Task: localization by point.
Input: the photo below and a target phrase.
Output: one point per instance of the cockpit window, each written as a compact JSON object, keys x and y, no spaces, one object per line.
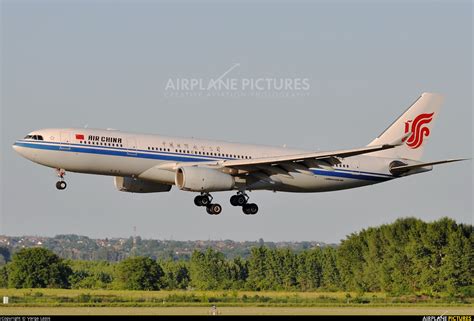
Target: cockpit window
{"x":34,"y":137}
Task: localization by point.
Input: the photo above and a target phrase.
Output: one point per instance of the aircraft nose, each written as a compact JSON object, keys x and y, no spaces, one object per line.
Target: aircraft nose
{"x":17,"y":148}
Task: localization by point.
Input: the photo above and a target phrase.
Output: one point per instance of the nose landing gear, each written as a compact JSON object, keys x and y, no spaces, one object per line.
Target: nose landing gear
{"x":61,"y":184}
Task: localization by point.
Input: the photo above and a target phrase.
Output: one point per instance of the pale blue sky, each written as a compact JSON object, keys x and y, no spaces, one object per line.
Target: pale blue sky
{"x":105,"y":64}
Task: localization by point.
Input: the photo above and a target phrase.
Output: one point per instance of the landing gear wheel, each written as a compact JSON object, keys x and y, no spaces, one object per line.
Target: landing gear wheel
{"x":209,"y":210}
{"x":202,"y":200}
{"x":205,"y":200}
{"x":240,"y":200}
{"x":197,"y":200}
{"x":214,"y":209}
{"x":253,"y":208}
{"x":250,"y":209}
{"x":61,"y":185}
{"x":246,"y":209}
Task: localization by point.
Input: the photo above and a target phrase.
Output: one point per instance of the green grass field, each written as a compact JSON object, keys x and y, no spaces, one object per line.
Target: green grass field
{"x":96,"y":302}
{"x":237,"y":310}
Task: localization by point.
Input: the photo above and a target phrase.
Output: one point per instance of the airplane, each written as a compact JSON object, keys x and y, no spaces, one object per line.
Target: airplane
{"x":144,"y":163}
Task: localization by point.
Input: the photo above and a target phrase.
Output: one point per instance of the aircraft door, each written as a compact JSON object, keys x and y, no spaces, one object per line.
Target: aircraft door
{"x":355,"y":166}
{"x":65,"y":140}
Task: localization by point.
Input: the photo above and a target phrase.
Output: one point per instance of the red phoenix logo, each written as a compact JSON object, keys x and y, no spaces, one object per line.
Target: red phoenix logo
{"x":418,"y":130}
{"x":80,"y":136}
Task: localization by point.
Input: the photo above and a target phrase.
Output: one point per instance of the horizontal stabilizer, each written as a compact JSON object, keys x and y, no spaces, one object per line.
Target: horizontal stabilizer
{"x":397,"y":170}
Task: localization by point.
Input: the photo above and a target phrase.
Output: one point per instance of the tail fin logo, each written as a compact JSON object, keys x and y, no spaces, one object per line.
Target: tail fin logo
{"x":418,"y":130}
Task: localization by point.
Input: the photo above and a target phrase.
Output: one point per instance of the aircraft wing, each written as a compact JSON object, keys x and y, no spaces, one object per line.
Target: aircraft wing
{"x":315,"y":159}
{"x":326,"y":156}
{"x":397,"y":170}
{"x":286,"y":163}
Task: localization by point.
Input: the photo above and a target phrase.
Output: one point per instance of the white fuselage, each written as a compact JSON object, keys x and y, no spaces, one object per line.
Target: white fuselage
{"x":117,"y":153}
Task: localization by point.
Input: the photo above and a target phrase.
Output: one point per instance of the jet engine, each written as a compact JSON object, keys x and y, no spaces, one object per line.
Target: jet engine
{"x":201,"y":179}
{"x":132,"y":185}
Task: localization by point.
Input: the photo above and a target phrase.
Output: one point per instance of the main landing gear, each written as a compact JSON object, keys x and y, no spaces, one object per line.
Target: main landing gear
{"x":61,"y":184}
{"x":241,"y":199}
{"x":205,"y":199}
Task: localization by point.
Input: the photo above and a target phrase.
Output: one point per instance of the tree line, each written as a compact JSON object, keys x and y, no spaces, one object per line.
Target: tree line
{"x":407,"y":256}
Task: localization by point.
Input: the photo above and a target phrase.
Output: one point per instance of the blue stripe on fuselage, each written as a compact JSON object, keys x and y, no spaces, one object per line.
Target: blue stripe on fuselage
{"x":124,"y":152}
{"x":353,"y":175}
{"x":114,"y":151}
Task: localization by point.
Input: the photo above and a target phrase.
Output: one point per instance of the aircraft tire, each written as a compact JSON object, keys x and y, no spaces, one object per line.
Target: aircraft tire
{"x":209,"y":210}
{"x":205,"y":200}
{"x":197,"y":200}
{"x":246,"y":209}
{"x":253,"y":208}
{"x":233,"y":200}
{"x":216,"y":209}
{"x":60,"y":185}
{"x":240,"y":200}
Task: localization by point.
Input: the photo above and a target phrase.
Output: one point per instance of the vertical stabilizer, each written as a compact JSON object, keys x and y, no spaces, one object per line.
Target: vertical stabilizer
{"x":418,"y":120}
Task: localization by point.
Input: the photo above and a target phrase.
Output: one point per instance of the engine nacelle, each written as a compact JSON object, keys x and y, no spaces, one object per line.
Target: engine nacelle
{"x":201,"y":179}
{"x":132,"y":185}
